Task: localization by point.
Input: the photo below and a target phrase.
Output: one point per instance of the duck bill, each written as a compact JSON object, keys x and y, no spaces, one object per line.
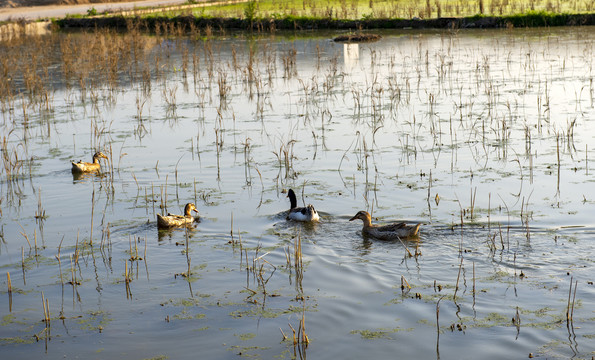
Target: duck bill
{"x":353,"y":218}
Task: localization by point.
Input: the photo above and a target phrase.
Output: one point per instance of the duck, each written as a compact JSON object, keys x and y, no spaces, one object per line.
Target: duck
{"x":177,"y":220}
{"x":386,"y":232}
{"x":306,"y":214}
{"x":85,"y":167}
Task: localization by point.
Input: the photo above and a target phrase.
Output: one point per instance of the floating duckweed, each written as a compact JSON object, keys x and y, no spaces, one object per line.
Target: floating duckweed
{"x":17,"y":340}
{"x":394,"y":301}
{"x":8,"y":319}
{"x":158,"y":357}
{"x":247,"y":351}
{"x":96,"y":320}
{"x":246,"y":336}
{"x":185,"y":315}
{"x":378,"y":334}
{"x":268,"y":313}
{"x":538,"y":312}
{"x":185,"y":302}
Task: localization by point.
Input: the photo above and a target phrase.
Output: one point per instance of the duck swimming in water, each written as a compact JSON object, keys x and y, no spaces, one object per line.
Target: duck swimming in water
{"x":177,"y":220}
{"x":85,"y":167}
{"x":386,"y":232}
{"x":307,"y":213}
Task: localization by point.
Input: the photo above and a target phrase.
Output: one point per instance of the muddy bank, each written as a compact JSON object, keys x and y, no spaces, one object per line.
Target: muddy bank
{"x":302,"y":23}
{"x":30,"y":3}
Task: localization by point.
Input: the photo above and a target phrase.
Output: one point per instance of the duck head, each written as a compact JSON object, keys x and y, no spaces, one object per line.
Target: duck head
{"x":189,"y":208}
{"x":98,"y":155}
{"x":362,"y":215}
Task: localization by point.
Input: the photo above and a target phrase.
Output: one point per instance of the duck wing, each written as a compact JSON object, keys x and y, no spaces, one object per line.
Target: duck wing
{"x":398,"y":227}
{"x":174,"y":216}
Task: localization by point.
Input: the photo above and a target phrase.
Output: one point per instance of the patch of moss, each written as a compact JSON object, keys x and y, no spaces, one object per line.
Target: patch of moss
{"x":538,"y":312}
{"x":265,"y":313}
{"x":246,"y":336}
{"x":8,"y":319}
{"x":158,"y":357}
{"x":424,"y":322}
{"x":95,"y":321}
{"x":378,"y":334}
{"x":247,"y":351}
{"x":185,"y":302}
{"x":496,"y":319}
{"x":546,"y":325}
{"x":185,"y":315}
{"x":17,"y":340}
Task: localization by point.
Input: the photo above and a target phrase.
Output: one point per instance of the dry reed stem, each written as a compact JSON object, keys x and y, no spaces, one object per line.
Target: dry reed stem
{"x":46,"y":310}
{"x":404,"y":284}
{"x":304,"y":338}
{"x":24,"y":233}
{"x":295,"y":340}
{"x":283,"y":334}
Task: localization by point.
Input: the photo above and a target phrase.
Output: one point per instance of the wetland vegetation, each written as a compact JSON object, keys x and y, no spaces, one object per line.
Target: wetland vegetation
{"x":273,"y":15}
{"x":482,"y":136}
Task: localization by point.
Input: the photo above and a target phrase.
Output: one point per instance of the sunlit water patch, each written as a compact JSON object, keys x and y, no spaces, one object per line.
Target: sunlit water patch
{"x":485,"y":137}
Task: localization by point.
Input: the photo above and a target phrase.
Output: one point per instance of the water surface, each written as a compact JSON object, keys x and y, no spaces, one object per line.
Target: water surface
{"x":483,"y":136}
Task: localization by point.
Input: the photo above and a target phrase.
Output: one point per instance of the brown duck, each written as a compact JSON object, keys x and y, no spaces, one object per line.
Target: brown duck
{"x":386,"y":232}
{"x":177,"y":220}
{"x":85,"y":167}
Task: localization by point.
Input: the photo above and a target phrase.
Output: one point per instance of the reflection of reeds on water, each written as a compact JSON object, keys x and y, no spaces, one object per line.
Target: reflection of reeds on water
{"x":127,"y":280}
{"x":298,"y":266}
{"x":571,"y":302}
{"x":9,"y":286}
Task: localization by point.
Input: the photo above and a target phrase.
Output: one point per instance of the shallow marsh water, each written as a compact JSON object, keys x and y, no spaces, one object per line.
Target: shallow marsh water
{"x":491,"y":129}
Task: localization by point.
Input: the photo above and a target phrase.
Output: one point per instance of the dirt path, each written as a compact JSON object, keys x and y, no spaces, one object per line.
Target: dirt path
{"x":45,"y":9}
